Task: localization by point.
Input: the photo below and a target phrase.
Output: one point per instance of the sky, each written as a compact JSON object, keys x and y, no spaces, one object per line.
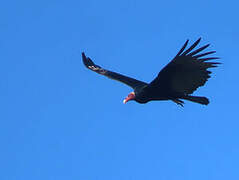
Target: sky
{"x":61,"y":121}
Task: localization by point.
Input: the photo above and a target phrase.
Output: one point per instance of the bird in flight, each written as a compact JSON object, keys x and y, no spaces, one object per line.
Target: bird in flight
{"x":176,"y":81}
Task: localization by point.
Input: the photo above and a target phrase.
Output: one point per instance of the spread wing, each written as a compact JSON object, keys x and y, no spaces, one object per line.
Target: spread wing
{"x":134,"y":83}
{"x":187,"y":71}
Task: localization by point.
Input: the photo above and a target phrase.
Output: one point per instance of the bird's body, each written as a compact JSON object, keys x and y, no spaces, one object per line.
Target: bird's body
{"x":176,"y":81}
{"x":146,"y":94}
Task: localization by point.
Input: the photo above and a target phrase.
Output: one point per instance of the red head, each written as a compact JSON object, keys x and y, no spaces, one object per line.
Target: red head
{"x":131,"y":96}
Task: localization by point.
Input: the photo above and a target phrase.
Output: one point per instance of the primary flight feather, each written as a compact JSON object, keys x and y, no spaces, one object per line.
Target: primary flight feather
{"x":176,"y":81}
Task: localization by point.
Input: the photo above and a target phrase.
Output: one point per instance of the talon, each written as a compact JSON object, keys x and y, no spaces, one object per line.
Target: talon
{"x":178,"y":102}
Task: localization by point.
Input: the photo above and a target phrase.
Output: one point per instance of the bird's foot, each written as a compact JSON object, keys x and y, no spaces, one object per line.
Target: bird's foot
{"x":178,"y":102}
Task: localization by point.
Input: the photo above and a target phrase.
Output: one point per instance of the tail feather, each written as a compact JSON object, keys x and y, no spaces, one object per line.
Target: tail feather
{"x":197,"y":99}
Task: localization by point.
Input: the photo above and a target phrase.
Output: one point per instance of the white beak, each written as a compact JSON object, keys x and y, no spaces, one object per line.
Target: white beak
{"x":124,"y":101}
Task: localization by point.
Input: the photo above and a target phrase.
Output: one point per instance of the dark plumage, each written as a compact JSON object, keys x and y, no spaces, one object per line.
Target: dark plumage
{"x":176,"y":81}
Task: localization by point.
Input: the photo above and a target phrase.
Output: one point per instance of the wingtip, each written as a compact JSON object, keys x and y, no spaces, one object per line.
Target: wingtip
{"x":207,"y":45}
{"x":83,"y":55}
{"x":199,"y":39}
{"x":191,"y":47}
{"x":84,"y":59}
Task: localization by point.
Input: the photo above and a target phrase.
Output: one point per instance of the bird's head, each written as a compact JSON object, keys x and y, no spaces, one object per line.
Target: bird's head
{"x":131,"y":96}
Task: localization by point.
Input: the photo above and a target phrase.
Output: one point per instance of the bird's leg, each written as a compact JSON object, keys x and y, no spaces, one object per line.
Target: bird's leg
{"x":178,"y":102}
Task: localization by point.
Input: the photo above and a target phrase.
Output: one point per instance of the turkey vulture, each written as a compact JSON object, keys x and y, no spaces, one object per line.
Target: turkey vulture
{"x":176,"y":81}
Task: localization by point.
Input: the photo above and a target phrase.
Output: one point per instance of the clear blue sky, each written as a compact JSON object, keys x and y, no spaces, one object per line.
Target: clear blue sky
{"x":61,"y":121}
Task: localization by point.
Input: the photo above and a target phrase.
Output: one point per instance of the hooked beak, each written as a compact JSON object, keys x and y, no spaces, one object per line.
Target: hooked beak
{"x":131,"y":96}
{"x":125,"y":101}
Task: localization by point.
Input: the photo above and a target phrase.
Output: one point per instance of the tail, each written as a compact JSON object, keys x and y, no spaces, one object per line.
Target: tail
{"x":197,"y":99}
